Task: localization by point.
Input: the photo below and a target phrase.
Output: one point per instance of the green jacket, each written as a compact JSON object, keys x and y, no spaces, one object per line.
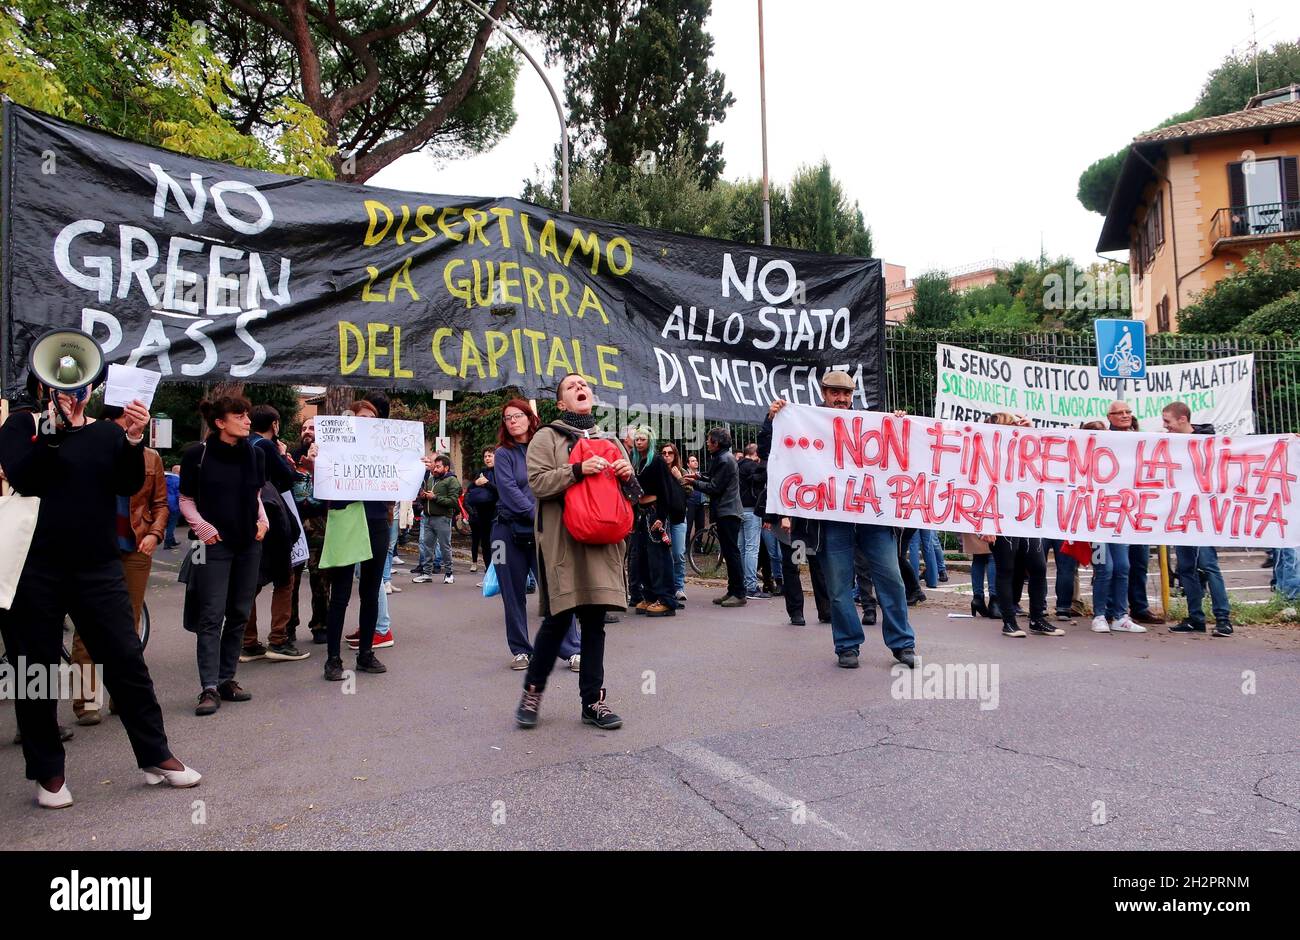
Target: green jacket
{"x":446,"y":495}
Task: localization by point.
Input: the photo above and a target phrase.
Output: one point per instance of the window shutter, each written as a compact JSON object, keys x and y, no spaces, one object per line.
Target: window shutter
{"x":1236,"y":185}
{"x":1290,"y":182}
{"x":1160,"y":218}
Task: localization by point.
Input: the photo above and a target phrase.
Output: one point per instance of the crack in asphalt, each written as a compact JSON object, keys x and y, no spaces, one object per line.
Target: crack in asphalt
{"x":1263,"y":796}
{"x":713,"y":805}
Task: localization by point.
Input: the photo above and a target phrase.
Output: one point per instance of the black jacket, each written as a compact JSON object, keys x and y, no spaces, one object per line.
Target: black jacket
{"x":808,"y":531}
{"x":722,"y":485}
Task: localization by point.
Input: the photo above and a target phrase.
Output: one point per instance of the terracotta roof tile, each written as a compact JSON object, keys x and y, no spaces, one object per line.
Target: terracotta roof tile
{"x":1273,"y":115}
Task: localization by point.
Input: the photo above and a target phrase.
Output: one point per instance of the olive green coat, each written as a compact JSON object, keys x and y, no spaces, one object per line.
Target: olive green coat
{"x":571,"y":573}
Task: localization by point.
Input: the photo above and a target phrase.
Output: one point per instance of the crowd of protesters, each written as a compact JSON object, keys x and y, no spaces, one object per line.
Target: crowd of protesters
{"x":247,"y":500}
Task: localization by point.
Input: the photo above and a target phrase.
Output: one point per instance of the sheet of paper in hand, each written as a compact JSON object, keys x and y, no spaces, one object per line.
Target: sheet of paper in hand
{"x":1091,"y":486}
{"x":368,"y":458}
{"x":128,"y":383}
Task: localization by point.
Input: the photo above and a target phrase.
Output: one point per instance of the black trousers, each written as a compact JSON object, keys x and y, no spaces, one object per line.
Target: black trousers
{"x":821,"y":597}
{"x":480,"y":538}
{"x":1019,"y":559}
{"x":372,"y":574}
{"x":791,"y":585}
{"x":911,"y":583}
{"x":729,"y":535}
{"x":546,"y":646}
{"x":95,"y":596}
{"x":653,"y":574}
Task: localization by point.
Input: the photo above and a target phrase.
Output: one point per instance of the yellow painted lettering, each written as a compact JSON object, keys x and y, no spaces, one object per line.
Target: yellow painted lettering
{"x":533,"y":288}
{"x":459,"y":288}
{"x":469,"y":355}
{"x":507,"y":282}
{"x":607,"y":369}
{"x":620,"y":243}
{"x":373,"y":208}
{"x":589,"y":299}
{"x":349,"y":333}
{"x":559,"y":357}
{"x":559,"y":288}
{"x":590,"y":247}
{"x":548,"y":240}
{"x":398,"y":371}
{"x":440,"y":334}
{"x":374,"y":350}
{"x":402,"y":280}
{"x":476,"y":220}
{"x":503,"y":230}
{"x":422,"y":216}
{"x":447,"y":229}
{"x":366,"y":292}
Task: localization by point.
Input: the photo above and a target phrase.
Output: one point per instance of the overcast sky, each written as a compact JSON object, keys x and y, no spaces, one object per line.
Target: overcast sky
{"x":960,"y":128}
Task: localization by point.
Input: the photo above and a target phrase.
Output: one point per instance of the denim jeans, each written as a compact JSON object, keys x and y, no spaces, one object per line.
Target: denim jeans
{"x":1066,"y":566}
{"x":751,"y":527}
{"x":430,"y":559}
{"x":1139,"y":556}
{"x":877,"y":544}
{"x":679,"y":556}
{"x":1110,"y":581}
{"x":1190,"y":558}
{"x":1286,"y":572}
{"x":170,"y":538}
{"x":773,"y":546}
{"x":392,"y":546}
{"x":983,"y":568}
{"x":435,"y":538}
{"x":925,"y":543}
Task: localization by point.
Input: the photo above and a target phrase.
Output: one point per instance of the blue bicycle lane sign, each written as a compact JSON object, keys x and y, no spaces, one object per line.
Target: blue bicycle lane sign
{"x":1121,"y":349}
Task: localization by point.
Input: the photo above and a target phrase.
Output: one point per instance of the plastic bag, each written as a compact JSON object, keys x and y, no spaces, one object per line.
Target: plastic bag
{"x":491,"y":587}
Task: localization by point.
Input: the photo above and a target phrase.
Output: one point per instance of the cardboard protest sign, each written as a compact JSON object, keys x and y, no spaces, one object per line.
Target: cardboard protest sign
{"x":1098,"y":486}
{"x":367,"y":458}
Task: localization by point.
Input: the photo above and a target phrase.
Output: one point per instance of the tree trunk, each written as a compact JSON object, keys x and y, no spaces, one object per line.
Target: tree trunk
{"x":337,"y":399}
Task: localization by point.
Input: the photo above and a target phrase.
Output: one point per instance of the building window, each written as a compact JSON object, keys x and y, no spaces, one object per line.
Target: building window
{"x":1162,"y":315}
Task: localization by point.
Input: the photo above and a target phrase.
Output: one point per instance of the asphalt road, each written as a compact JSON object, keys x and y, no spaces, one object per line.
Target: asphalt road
{"x":740,"y":732}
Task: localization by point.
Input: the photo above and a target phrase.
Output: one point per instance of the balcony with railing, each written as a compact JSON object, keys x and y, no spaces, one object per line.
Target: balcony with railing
{"x":1270,"y":221}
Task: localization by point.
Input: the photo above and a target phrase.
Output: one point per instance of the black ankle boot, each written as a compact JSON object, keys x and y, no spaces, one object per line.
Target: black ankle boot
{"x":978,"y":608}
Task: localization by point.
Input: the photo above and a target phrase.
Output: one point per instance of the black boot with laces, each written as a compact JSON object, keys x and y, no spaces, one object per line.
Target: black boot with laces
{"x":600,"y":714}
{"x":527,"y":712}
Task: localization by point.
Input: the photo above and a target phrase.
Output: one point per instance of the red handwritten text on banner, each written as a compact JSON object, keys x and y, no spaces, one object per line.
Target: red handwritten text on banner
{"x":1100,"y":486}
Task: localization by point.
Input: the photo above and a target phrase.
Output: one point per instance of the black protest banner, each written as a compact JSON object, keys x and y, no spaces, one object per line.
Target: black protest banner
{"x":209,"y":272}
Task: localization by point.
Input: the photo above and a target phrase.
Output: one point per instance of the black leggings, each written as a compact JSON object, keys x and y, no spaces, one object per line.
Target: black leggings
{"x":372,"y":573}
{"x":1018,"y":559}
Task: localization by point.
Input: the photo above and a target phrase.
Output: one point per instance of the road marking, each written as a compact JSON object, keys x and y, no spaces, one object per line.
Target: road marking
{"x":730,"y":772}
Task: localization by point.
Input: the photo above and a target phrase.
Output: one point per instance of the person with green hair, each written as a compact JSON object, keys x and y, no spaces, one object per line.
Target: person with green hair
{"x":652,"y":553}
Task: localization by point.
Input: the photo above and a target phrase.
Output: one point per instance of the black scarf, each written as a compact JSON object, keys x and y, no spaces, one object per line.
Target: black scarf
{"x":581,"y":422}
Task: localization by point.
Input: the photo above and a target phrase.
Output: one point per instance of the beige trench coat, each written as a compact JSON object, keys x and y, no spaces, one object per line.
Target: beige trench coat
{"x":571,"y":573}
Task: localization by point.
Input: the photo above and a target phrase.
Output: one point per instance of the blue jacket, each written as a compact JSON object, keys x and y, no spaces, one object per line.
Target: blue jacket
{"x":515,"y":501}
{"x":173,"y":492}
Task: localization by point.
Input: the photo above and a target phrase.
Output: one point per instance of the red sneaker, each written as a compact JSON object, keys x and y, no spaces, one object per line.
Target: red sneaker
{"x":381,"y":641}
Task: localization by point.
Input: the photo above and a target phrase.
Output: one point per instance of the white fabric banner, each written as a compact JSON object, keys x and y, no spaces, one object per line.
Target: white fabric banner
{"x":972,"y":385}
{"x":301,"y":551}
{"x":1096,"y":486}
{"x":368,"y":458}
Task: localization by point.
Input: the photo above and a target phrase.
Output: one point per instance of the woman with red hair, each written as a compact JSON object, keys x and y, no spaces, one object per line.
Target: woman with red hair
{"x":514,"y":550}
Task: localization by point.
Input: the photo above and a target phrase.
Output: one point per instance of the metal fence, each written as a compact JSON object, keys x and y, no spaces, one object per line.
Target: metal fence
{"x":910,"y":364}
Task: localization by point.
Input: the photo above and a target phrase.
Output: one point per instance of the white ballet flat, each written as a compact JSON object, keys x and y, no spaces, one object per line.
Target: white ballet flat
{"x":48,"y":800}
{"x":180,"y":779}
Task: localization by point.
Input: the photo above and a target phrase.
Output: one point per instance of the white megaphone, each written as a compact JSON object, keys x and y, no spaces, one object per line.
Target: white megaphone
{"x":66,"y":361}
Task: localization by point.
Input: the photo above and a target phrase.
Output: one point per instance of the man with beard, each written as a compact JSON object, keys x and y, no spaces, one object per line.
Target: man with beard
{"x":834,"y":544}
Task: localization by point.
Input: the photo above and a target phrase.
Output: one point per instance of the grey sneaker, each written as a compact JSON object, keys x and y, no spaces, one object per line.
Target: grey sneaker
{"x":530,"y":704}
{"x":285,"y":651}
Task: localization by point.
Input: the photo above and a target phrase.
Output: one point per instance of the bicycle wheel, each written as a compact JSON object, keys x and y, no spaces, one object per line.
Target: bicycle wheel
{"x":706,"y":552}
{"x":1110,"y":361}
{"x":144,"y":625}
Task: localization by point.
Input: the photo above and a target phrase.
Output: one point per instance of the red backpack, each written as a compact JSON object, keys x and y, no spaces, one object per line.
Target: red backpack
{"x":596,"y":511}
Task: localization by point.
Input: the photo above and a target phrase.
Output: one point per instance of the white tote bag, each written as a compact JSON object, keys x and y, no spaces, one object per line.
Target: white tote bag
{"x":17,"y":524}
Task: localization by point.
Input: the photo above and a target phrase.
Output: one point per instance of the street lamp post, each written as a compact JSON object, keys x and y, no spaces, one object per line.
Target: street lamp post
{"x":762,"y":105}
{"x":559,"y":109}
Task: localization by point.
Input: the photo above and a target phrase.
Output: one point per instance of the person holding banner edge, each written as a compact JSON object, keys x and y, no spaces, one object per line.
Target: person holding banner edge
{"x":834,"y":544}
{"x":1177,"y":418}
{"x":1120,"y":418}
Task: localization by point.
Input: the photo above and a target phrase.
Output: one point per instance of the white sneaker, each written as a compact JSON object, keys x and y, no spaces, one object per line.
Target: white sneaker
{"x":449,"y":579}
{"x":473,"y":569}
{"x":1099,"y":625}
{"x":394,"y":589}
{"x":681,"y":595}
{"x":575,"y":662}
{"x":1125,"y":625}
{"x":388,"y":587}
{"x":520,"y":661}
{"x":181,"y":779}
{"x":58,"y":800}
